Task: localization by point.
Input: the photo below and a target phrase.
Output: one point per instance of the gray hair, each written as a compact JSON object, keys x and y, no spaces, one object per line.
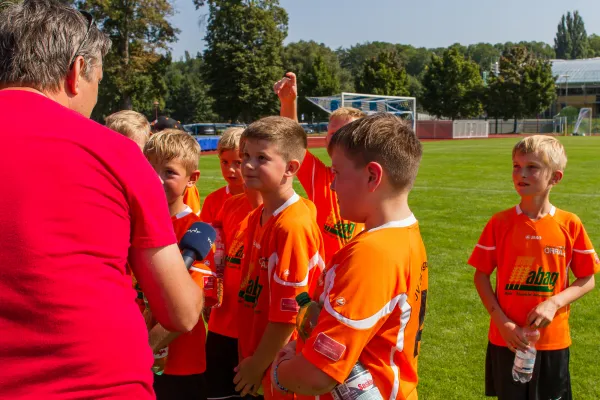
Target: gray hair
{"x":38,"y":40}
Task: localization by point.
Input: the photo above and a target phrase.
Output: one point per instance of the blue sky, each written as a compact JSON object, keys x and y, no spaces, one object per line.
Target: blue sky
{"x":427,"y":23}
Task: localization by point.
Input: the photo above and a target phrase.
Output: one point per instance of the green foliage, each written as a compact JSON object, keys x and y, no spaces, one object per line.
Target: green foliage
{"x":384,"y":75}
{"x":319,"y":73}
{"x":594,"y":45}
{"x":524,"y":87}
{"x":243,"y":56}
{"x":135,"y":67}
{"x":187,"y":99}
{"x":571,"y":41}
{"x":452,"y":86}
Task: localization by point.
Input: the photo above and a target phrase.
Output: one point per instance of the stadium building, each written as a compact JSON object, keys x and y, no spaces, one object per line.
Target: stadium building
{"x":577,"y":84}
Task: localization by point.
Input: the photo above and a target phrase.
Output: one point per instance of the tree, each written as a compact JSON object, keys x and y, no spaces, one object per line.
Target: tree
{"x":187,"y":99}
{"x":571,"y":40}
{"x":354,"y":58}
{"x":319,"y":74}
{"x":384,"y":75}
{"x":243,"y":56}
{"x":594,"y":43}
{"x":135,"y":66}
{"x":525,"y":86}
{"x":452,"y":86}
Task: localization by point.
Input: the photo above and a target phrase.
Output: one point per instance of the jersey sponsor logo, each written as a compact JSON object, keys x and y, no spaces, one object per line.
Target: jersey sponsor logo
{"x":526,"y":278}
{"x":533,"y":237}
{"x":256,"y":244}
{"x":328,"y":347}
{"x":236,"y":259}
{"x":263,"y":262}
{"x":252,"y":291}
{"x":289,"y":305}
{"x":558,"y":250}
{"x":342,"y":230}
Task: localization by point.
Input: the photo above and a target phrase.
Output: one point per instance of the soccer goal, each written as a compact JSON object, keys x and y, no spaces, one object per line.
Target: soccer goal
{"x":466,"y":129}
{"x":583,"y":126}
{"x":405,"y":107}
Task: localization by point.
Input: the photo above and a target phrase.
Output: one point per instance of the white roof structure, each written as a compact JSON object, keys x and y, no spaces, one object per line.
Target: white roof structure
{"x":584,"y":71}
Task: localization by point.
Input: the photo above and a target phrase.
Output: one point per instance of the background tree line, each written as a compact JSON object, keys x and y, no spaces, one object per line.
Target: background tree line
{"x":245,"y":54}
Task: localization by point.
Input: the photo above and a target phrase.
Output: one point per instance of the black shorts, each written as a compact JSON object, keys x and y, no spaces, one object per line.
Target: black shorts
{"x":180,"y":387}
{"x":550,"y":380}
{"x":221,"y":359}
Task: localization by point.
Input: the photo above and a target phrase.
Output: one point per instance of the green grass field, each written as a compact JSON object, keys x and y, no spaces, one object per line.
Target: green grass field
{"x":460,"y":185}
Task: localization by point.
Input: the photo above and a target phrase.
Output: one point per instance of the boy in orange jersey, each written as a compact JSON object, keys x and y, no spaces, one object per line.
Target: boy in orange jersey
{"x":130,"y":124}
{"x":373,"y":292}
{"x":316,"y":177}
{"x":174,"y":155}
{"x":283,"y":249}
{"x":230,"y":161}
{"x":532,"y":246}
{"x":222,"y":338}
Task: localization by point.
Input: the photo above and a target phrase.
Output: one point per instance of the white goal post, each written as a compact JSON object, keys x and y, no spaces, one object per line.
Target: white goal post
{"x":583,"y":126}
{"x":405,"y":107}
{"x":466,"y":129}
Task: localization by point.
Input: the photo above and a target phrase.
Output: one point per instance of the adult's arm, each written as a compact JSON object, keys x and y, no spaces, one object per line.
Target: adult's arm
{"x":175,"y":299}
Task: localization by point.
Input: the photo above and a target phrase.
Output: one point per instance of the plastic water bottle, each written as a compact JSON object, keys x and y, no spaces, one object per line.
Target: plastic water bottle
{"x":360,"y":384}
{"x":525,"y":360}
{"x":160,"y":360}
{"x":219,"y":265}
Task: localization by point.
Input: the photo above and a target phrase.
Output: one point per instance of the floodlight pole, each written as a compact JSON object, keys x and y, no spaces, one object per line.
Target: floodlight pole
{"x":566,"y":76}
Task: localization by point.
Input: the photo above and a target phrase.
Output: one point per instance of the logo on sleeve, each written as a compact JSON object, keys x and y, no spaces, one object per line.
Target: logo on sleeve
{"x":289,"y":305}
{"x":328,"y":347}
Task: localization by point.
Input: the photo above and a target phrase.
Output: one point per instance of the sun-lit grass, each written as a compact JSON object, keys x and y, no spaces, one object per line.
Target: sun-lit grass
{"x":460,"y":185}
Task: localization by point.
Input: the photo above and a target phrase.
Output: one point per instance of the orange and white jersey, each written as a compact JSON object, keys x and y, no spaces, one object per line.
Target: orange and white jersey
{"x":282,"y":259}
{"x":213,"y":203}
{"x":316,"y":179}
{"x":233,"y":220}
{"x":533,"y":259}
{"x":374,"y":295}
{"x":187,"y":352}
{"x":191,"y":198}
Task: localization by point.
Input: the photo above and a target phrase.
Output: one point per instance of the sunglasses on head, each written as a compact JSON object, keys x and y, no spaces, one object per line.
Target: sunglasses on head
{"x":90,"y":20}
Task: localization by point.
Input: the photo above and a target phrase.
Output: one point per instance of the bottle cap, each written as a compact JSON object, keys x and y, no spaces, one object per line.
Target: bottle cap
{"x":303,"y":299}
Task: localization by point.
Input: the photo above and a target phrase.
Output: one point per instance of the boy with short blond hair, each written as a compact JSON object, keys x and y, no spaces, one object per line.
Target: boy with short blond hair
{"x":174,"y":155}
{"x":374,"y":291}
{"x":532,"y":247}
{"x":316,"y":177}
{"x":131,"y":124}
{"x":230,"y":162}
{"x":283,"y":249}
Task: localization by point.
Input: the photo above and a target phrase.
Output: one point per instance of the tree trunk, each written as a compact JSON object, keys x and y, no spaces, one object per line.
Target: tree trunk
{"x":515,"y":127}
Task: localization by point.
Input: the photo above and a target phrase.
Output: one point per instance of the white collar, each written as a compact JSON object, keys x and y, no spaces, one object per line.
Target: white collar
{"x":185,"y":212}
{"x":406,"y":222}
{"x":551,"y":212}
{"x":288,"y":203}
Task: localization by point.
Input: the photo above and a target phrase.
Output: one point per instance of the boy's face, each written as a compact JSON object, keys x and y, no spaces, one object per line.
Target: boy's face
{"x":231,"y":167}
{"x":350,"y":183}
{"x":175,"y":179}
{"x":335,"y":124}
{"x":263,"y":167}
{"x":531,"y":176}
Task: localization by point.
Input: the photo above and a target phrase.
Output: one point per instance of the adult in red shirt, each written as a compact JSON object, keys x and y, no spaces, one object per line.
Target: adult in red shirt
{"x":78,"y":201}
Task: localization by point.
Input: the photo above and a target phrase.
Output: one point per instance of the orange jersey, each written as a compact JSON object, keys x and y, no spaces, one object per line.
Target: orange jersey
{"x":213,"y":203}
{"x":533,"y":259}
{"x":282,"y":257}
{"x":233,"y":220}
{"x":316,"y":179}
{"x":186,"y":353}
{"x":373,"y":294}
{"x":191,"y":197}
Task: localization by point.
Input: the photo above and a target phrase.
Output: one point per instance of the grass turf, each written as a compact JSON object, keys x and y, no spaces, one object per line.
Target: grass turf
{"x":460,"y":185}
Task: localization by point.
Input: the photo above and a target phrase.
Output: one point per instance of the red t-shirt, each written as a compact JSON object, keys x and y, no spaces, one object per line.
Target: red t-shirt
{"x":76,"y":196}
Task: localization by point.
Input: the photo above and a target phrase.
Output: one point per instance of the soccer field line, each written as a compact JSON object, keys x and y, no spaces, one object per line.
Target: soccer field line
{"x":480,"y":190}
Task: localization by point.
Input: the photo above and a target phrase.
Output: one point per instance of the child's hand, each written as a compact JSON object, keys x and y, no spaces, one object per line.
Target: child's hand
{"x":286,"y":88}
{"x":542,"y":315}
{"x":514,"y":336}
{"x":248,"y":378}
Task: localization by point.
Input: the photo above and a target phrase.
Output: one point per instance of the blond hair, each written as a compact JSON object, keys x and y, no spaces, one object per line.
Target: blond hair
{"x":230,"y":139}
{"x":385,"y":139}
{"x":549,"y":148}
{"x":347,"y":113}
{"x":287,"y":134}
{"x":173,"y":144}
{"x":131,"y":124}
